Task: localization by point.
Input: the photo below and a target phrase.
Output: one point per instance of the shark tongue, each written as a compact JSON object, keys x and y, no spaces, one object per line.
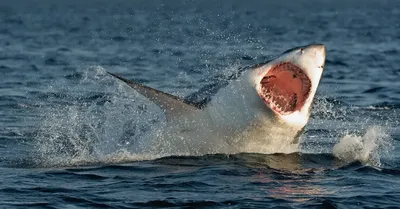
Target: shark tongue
{"x":285,"y":88}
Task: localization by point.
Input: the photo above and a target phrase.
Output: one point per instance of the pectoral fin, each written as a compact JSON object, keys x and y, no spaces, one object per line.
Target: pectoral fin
{"x":173,"y":106}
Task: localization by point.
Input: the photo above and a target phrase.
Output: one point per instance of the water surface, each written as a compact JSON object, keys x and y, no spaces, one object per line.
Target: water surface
{"x":68,"y":130}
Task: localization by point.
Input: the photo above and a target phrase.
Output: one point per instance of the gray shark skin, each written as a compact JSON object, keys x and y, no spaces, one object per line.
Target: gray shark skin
{"x":263,"y":109}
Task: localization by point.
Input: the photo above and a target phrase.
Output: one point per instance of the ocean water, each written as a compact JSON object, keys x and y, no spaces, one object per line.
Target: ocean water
{"x":68,"y":131}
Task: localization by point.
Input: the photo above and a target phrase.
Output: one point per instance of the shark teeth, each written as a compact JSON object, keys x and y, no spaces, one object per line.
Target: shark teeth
{"x":270,"y":100}
{"x":285,"y":88}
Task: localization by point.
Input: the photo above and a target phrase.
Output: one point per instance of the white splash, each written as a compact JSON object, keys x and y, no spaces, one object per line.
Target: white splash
{"x":94,"y":121}
{"x":367,"y":149}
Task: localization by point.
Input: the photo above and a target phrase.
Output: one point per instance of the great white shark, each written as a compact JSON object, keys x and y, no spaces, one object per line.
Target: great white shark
{"x":263,"y":108}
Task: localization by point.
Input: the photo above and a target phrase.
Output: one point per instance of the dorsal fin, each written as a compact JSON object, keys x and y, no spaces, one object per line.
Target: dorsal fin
{"x":173,"y":106}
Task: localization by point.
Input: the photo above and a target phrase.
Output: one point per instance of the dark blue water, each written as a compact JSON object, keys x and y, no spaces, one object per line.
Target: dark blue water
{"x":68,"y":130}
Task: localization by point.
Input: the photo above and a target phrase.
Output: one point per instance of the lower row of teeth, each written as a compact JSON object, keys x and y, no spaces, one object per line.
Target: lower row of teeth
{"x":270,"y":99}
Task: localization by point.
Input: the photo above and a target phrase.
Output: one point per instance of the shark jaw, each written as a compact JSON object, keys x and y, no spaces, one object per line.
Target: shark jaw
{"x":285,"y":88}
{"x":288,"y":84}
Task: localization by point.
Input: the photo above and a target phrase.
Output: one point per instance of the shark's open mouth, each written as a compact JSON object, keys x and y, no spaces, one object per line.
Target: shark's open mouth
{"x":285,"y":88}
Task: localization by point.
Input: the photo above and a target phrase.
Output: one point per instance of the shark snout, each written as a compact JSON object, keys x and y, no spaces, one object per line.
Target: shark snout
{"x":318,"y":53}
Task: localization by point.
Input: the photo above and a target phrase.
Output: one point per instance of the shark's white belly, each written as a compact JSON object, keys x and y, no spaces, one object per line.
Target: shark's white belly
{"x":236,"y":120}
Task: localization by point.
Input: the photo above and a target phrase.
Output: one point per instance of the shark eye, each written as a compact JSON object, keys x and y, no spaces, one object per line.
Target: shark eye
{"x":301,"y":50}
